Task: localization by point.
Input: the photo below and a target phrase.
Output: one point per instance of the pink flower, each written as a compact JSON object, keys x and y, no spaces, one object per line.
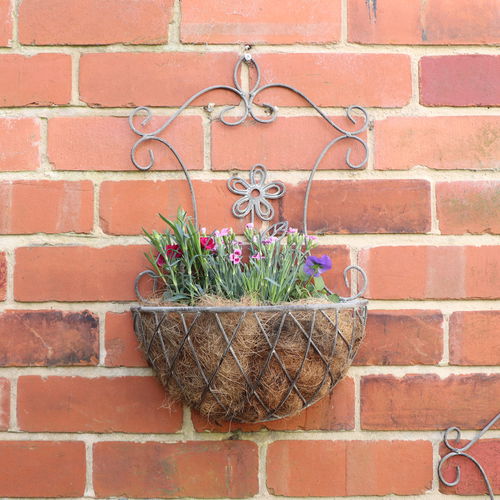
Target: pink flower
{"x":223,"y":232}
{"x":235,"y":258}
{"x":257,"y":256}
{"x":203,"y":230}
{"x":269,"y":240}
{"x":237,"y":252}
{"x":292,"y":230}
{"x":311,"y":237}
{"x":249,"y":225}
{"x":208,"y":243}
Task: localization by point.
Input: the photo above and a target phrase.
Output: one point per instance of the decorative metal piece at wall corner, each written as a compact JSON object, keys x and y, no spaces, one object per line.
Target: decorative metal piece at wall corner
{"x":256,"y":193}
{"x":461,"y":452}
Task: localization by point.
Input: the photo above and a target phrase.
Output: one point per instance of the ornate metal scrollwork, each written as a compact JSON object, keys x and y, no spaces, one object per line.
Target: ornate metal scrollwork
{"x":255,"y":193}
{"x":461,"y":452}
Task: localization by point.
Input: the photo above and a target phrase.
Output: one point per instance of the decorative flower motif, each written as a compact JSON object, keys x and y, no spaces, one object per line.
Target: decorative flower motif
{"x":254,"y":194}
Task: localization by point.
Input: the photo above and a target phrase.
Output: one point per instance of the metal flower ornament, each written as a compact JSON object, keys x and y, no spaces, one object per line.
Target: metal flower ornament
{"x":255,"y":194}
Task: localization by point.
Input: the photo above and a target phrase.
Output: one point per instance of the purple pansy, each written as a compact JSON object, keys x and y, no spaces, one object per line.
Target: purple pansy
{"x":315,"y":266}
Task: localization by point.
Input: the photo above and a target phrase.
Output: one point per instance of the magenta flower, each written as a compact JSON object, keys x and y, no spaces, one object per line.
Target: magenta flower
{"x":292,"y":230}
{"x":208,"y":243}
{"x":315,"y":266}
{"x":268,"y":241}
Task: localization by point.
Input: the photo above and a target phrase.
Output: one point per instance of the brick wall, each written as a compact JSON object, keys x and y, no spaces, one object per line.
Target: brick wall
{"x":80,"y":413}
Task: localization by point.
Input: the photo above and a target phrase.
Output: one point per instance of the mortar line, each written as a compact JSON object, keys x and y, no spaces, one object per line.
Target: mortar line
{"x":174,"y":27}
{"x":44,"y":166}
{"x":102,"y":338}
{"x":433,"y":203}
{"x":344,"y":23}
{"x":89,"y":462}
{"x":10,"y":257}
{"x":75,"y":80}
{"x":446,"y":340}
{"x":13,"y":424}
{"x":357,"y":402}
{"x":15,"y":45}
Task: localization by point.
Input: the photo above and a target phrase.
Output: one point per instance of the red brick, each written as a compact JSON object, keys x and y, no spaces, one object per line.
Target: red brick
{"x":428,"y":402}
{"x":486,"y":452}
{"x":52,"y":22}
{"x":377,"y":206}
{"x":474,"y":338}
{"x":122,"y":348}
{"x":155,"y":79}
{"x":77,"y":404}
{"x":468,"y":207}
{"x":4,"y":404}
{"x":333,"y":413}
{"x":46,"y":207}
{"x":5,"y":23}
{"x":3,"y":276}
{"x":432,"y":272}
{"x":19,"y":139}
{"x":460,"y":80}
{"x":345,"y":468}
{"x":77,"y":273}
{"x":48,"y":338}
{"x":129,"y":206}
{"x":334,"y":79}
{"x":208,"y":469}
{"x":41,"y":79}
{"x":42,"y":469}
{"x":230,"y":21}
{"x":409,"y":337}
{"x":444,"y":142}
{"x":105,"y":143}
{"x":434,"y":22}
{"x":260,"y":144}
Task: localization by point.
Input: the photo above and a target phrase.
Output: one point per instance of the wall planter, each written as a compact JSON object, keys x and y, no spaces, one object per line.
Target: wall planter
{"x":243,"y":361}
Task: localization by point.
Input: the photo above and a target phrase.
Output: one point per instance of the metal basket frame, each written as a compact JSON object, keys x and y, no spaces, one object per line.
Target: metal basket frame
{"x":161,"y":314}
{"x":253,"y":206}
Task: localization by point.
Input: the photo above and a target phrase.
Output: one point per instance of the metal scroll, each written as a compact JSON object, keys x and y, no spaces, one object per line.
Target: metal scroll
{"x":256,"y":193}
{"x":461,"y":452}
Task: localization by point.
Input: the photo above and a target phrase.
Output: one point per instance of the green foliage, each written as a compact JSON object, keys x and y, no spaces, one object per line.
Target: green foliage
{"x":191,"y":264}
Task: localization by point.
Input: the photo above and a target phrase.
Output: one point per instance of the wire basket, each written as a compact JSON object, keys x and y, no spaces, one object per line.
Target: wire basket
{"x":251,"y":363}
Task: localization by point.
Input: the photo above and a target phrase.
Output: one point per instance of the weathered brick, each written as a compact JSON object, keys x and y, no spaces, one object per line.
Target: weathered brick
{"x":486,"y":452}
{"x":105,"y":143}
{"x":432,"y":272}
{"x":129,"y":206}
{"x":301,"y":140}
{"x":468,"y":207}
{"x":327,"y":79}
{"x":345,"y":468}
{"x":46,"y":207}
{"x":104,"y":404}
{"x":333,"y":413}
{"x":5,"y":23}
{"x":474,"y":338}
{"x":3,"y":276}
{"x":48,"y":338}
{"x":155,"y":79}
{"x":433,"y":22}
{"x":122,"y":347}
{"x":419,"y":402}
{"x":4,"y":403}
{"x":236,"y":21}
{"x":93,"y":22}
{"x":444,"y":142}
{"x":41,"y":79}
{"x":19,"y":139}
{"x":460,"y":80}
{"x":42,"y":469}
{"x":208,"y":469}
{"x":77,"y":273}
{"x":377,"y":206}
{"x":408,"y":337}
